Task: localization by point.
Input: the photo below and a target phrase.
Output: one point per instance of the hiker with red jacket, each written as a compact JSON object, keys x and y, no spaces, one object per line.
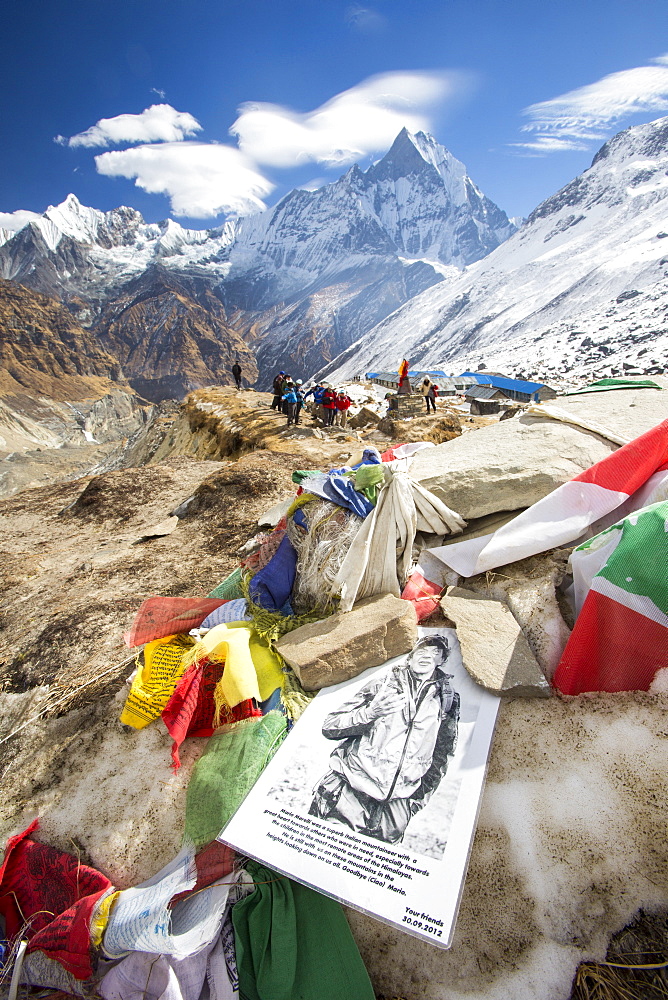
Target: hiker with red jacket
{"x":343,"y":402}
{"x":329,"y":406}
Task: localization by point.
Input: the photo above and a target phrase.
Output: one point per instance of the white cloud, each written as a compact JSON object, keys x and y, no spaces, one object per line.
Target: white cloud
{"x":588,"y":114}
{"x":16,"y":220}
{"x":159,"y":123}
{"x":201,"y":179}
{"x":359,"y":121}
{"x":314,"y":184}
{"x":365,"y":19}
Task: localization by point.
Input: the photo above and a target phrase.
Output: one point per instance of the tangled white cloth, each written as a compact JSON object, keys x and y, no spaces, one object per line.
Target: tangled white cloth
{"x":379,"y":558}
{"x":320,"y":551}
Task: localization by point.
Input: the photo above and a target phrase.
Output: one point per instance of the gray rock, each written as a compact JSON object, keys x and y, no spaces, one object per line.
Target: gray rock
{"x":506,"y":466}
{"x":494,"y":649}
{"x":511,"y":464}
{"x":271,"y":517}
{"x":165,"y":527}
{"x":345,"y":644}
{"x":364,"y":417}
{"x":529,"y":588}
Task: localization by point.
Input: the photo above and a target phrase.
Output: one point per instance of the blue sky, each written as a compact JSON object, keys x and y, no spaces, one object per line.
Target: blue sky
{"x":523,"y":92}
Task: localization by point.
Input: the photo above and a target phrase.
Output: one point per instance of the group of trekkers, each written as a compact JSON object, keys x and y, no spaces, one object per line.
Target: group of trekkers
{"x":330,"y":406}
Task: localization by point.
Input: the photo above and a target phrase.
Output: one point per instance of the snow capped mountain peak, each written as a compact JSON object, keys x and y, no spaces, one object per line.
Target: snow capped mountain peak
{"x":336,"y":259}
{"x":581,"y":287}
{"x":74,"y":219}
{"x":638,"y":140}
{"x":423,"y":196}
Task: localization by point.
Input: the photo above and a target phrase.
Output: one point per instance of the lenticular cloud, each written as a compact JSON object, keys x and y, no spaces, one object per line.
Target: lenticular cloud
{"x":159,"y":123}
{"x":587,"y":114}
{"x":201,"y":179}
{"x":362,"y":120}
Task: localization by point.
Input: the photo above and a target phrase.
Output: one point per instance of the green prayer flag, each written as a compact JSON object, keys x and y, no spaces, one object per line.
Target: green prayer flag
{"x":230,"y":588}
{"x":233,"y":760}
{"x":293,"y":943}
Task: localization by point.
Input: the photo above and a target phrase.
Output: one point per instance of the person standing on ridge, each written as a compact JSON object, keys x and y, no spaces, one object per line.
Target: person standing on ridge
{"x":287,"y":385}
{"x":301,"y":396}
{"x":278,"y":391}
{"x":343,"y":402}
{"x":236,"y":371}
{"x":329,"y":406}
{"x":318,"y":408}
{"x":290,"y":402}
{"x":429,"y":393}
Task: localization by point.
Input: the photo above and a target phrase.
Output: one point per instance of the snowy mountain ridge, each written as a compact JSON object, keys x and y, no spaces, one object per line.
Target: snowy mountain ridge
{"x":302,"y":279}
{"x":379,"y":203}
{"x":580,"y":287}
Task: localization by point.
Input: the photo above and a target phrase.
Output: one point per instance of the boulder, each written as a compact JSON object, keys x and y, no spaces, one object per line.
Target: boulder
{"x":271,"y":517}
{"x":494,"y":649}
{"x":510,"y":465}
{"x":506,"y":466}
{"x":345,"y":644}
{"x":529,"y":588}
{"x":364,"y":417}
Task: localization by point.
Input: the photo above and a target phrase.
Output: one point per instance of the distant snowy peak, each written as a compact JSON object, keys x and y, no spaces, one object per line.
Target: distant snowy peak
{"x":417,"y":202}
{"x":411,"y":153}
{"x":583,"y":280}
{"x":307,"y":276}
{"x":631,"y":164}
{"x":121,"y":227}
{"x":430,"y":207}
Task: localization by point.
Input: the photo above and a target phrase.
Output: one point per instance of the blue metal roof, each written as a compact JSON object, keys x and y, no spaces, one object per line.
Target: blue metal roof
{"x":518,"y":385}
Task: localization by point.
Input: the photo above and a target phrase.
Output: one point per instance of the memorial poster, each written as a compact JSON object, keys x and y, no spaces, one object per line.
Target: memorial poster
{"x":373,"y":797}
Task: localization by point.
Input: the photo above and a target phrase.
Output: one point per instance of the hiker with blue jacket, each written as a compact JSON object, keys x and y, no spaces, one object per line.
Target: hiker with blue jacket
{"x":291,"y":400}
{"x":318,"y":391}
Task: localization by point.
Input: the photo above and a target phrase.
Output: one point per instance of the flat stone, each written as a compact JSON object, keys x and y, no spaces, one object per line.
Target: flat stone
{"x":529,"y":588}
{"x":494,"y":649}
{"x":271,"y":517}
{"x":165,"y":527}
{"x":342,"y":646}
{"x":514,"y":463}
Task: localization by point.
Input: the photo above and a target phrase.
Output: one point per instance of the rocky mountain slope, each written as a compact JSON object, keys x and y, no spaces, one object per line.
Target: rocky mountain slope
{"x":302,"y":280}
{"x":580,"y":287}
{"x":172,"y":334}
{"x":45,"y":352}
{"x":64,"y":403}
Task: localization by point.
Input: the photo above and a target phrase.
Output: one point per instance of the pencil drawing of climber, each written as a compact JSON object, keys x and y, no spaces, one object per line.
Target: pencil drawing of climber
{"x":396,"y":737}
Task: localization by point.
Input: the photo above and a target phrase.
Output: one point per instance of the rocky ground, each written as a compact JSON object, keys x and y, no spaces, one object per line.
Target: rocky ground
{"x":570,"y":843}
